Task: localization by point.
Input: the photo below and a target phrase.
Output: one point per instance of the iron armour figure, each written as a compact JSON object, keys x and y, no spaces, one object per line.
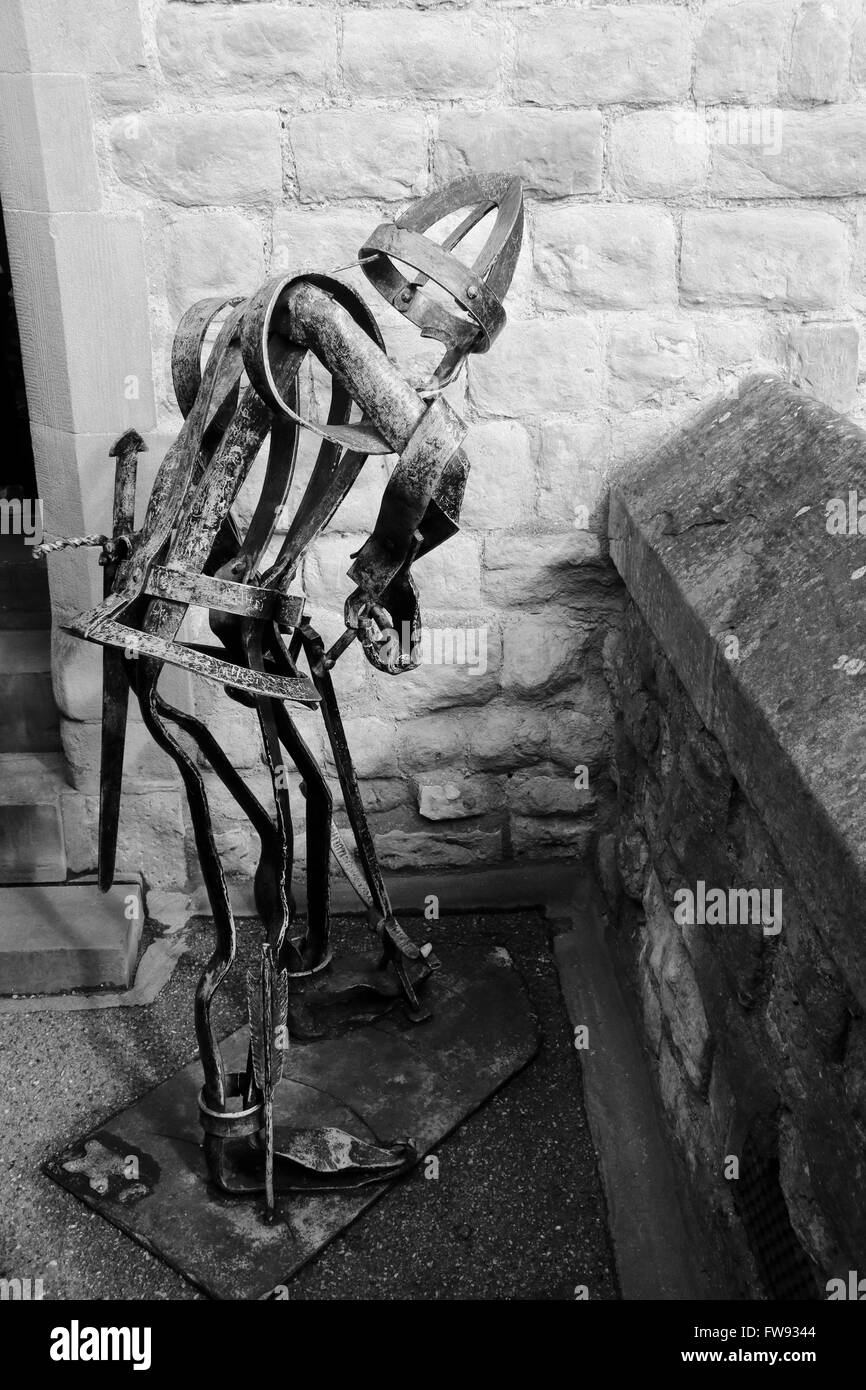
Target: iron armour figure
{"x":191,"y":551}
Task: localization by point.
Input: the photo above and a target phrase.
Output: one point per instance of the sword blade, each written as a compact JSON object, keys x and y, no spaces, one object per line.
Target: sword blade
{"x":115,"y":704}
{"x":115,"y":686}
{"x":352,"y":870}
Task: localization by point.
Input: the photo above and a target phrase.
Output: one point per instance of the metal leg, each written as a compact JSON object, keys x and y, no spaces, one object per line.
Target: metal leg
{"x":396,"y":945}
{"x":284,"y":951}
{"x":220,"y":963}
{"x":316,"y":945}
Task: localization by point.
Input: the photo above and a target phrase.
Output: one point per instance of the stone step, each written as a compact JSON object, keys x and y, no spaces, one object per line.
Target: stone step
{"x":59,"y":937}
{"x":31,"y":830}
{"x":28,"y":714}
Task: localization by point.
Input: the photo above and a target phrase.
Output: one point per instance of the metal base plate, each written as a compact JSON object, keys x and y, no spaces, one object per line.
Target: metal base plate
{"x":384,"y":1080}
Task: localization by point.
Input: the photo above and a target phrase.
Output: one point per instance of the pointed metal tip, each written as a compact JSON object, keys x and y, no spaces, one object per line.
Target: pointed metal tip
{"x":130,"y":439}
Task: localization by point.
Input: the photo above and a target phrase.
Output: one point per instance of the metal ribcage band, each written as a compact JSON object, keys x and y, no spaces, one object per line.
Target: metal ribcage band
{"x":245,"y":600}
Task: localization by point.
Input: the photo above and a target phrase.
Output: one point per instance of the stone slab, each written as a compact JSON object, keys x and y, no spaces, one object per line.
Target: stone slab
{"x":723,"y":532}
{"x":510,"y":887}
{"x":652,"y":1229}
{"x":31,"y":843}
{"x":503,"y":888}
{"x":60,"y":937}
{"x":393,"y":1080}
{"x":30,"y":722}
{"x":32,"y":846}
{"x":154,"y":970}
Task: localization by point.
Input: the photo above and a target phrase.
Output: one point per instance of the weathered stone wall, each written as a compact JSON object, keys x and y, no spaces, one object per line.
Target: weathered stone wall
{"x":694,"y":172}
{"x":757,"y":1044}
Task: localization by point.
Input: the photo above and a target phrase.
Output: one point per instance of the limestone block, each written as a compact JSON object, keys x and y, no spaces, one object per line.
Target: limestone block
{"x":769,"y":258}
{"x":556,"y":153}
{"x":47,"y":154}
{"x":537,"y":367}
{"x":611,"y":257}
{"x":407,"y":850}
{"x":531,"y":793}
{"x":373,"y":745}
{"x":81,"y":299}
{"x":500,"y":487}
{"x":740,"y":50}
{"x":793,"y":154}
{"x":441,"y":56}
{"x":553,"y":837}
{"x":207,"y":157}
{"x":359,"y":154}
{"x":821,"y":51}
{"x":649,"y":357}
{"x":57,"y":938}
{"x":266,"y":51}
{"x":151,"y":838}
{"x":573,"y":458}
{"x":542,"y":653}
{"x":449,"y":577}
{"x":143,"y":762}
{"x":575,"y":737}
{"x":502,"y":738}
{"x":659,"y":154}
{"x":824,"y":360}
{"x":439,"y":740}
{"x":461,"y":661}
{"x":210,"y":253}
{"x":319,"y":239}
{"x":540,"y":570}
{"x":61,"y":36}
{"x":638,"y":55}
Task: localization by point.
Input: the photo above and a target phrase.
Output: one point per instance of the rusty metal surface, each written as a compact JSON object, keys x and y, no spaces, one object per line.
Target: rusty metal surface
{"x":478,"y":290}
{"x":191,"y":551}
{"x":143,"y":644}
{"x":208,"y":591}
{"x":115,"y":682}
{"x":379,"y":1082}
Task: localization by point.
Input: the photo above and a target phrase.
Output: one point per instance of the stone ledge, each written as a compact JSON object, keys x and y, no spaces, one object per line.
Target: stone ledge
{"x":61,"y":937}
{"x":542,"y":884}
{"x":722,"y":533}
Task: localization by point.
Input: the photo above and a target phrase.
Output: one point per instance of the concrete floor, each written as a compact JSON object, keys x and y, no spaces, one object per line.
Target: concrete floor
{"x":517,"y":1211}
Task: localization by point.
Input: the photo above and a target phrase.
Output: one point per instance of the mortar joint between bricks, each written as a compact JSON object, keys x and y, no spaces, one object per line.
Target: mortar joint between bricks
{"x":508,"y":58}
{"x":339,"y":72}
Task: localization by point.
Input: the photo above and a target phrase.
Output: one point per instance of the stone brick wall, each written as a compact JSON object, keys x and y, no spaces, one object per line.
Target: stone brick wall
{"x":756,"y":1040}
{"x":694,"y":174}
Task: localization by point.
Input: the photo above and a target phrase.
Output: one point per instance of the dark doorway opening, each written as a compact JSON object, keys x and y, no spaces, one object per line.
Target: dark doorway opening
{"x":29,"y":725}
{"x":17,"y":470}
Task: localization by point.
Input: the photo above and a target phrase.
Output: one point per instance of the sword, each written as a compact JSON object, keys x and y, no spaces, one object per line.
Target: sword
{"x":115,"y":684}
